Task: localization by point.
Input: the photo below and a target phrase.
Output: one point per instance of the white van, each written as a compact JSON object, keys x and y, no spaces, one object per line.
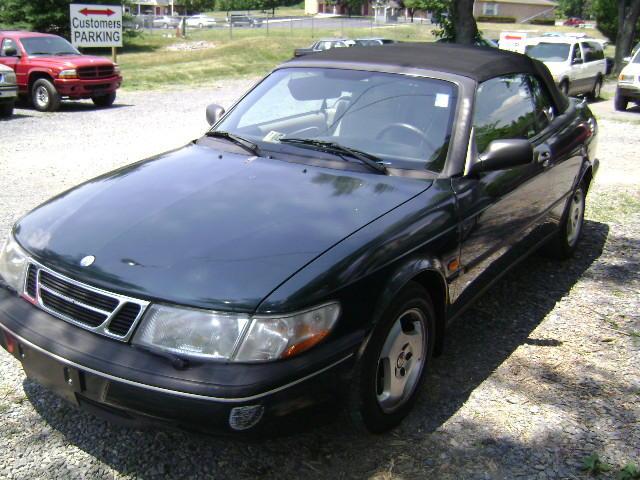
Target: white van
{"x":578,"y":65}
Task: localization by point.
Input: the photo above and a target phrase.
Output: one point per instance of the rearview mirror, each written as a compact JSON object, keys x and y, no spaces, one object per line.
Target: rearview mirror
{"x":502,"y":154}
{"x":214,"y":113}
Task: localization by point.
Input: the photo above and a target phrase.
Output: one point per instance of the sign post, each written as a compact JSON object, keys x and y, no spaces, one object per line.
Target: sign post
{"x":96,"y":26}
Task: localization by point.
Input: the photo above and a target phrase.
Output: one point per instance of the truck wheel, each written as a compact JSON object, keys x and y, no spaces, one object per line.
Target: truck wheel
{"x":389,"y":375}
{"x":620,"y":102}
{"x":104,"y":100}
{"x":564,"y":242}
{"x":6,"y":109}
{"x":594,"y":95}
{"x":44,"y":96}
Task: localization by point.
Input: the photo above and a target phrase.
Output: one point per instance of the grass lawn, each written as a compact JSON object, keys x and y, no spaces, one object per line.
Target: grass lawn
{"x":147,"y":63}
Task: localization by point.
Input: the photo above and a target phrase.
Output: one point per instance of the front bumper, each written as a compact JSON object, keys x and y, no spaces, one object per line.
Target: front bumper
{"x":80,"y":88}
{"x":8,"y":94}
{"x":133,"y":386}
{"x":629,"y":90}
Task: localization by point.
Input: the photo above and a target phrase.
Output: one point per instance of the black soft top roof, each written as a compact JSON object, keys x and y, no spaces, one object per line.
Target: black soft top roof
{"x":478,"y":63}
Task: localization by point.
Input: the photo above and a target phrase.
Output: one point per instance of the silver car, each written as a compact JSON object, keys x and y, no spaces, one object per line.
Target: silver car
{"x":8,"y":91}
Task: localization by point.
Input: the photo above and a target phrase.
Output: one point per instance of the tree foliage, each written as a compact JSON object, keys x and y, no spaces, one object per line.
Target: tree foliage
{"x":619,"y":20}
{"x":454,"y":19}
{"x":575,"y":8}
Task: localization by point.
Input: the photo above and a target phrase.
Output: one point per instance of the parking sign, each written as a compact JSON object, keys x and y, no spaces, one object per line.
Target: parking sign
{"x":96,"y":25}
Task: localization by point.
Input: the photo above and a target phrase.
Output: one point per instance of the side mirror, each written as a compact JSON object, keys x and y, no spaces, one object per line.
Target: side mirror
{"x":576,"y":61}
{"x":11,"y":52}
{"x":626,"y":59}
{"x":502,"y":154}
{"x":214,"y":113}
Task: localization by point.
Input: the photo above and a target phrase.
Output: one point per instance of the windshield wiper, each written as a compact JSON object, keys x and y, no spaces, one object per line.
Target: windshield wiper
{"x":238,"y":140}
{"x":370,"y":160}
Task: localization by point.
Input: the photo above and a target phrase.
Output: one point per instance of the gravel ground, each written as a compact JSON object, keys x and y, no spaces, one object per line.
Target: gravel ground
{"x":529,"y":384}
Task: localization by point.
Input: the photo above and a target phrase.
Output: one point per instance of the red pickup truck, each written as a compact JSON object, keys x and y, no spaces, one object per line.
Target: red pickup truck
{"x":48,"y":69}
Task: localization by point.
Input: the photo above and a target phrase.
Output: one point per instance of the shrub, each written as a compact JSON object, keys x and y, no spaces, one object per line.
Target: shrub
{"x":495,"y":19}
{"x":543,"y":21}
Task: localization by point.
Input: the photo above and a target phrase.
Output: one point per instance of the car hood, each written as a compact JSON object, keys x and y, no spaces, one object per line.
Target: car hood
{"x":206,"y":228}
{"x":69,"y":61}
{"x":631,"y":69}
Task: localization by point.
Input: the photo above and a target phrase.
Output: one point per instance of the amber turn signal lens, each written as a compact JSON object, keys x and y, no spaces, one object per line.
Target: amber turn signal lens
{"x":305,"y":344}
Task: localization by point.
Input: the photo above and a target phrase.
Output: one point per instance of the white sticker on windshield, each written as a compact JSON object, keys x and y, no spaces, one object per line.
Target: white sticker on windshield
{"x":273,"y":136}
{"x":442,"y":100}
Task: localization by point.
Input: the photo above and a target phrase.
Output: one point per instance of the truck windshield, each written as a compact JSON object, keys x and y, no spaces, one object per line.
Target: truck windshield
{"x":405,"y":121}
{"x":48,"y":46}
{"x":549,"y":52}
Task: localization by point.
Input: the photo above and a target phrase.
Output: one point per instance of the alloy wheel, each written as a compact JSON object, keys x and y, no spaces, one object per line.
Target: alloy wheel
{"x":575,"y":218}
{"x":42,"y":96}
{"x":401,"y":360}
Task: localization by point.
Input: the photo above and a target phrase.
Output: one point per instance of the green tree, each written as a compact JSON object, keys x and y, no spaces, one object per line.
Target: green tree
{"x":455,"y":20}
{"x":575,"y":8}
{"x":619,"y":20}
{"x":414,"y":5}
{"x":198,"y":6}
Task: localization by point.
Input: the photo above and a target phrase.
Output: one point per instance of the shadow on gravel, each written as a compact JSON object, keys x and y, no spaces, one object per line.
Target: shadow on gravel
{"x":76,"y":106}
{"x":476,"y":345}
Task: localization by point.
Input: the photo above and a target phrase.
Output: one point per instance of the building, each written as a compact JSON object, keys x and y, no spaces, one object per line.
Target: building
{"x":522,"y":10}
{"x":156,"y":7}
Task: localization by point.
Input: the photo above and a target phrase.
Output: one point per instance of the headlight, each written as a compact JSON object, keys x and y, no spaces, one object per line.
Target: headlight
{"x":13,"y":263}
{"x":71,"y":73}
{"x":9,"y":77}
{"x":235,"y":337}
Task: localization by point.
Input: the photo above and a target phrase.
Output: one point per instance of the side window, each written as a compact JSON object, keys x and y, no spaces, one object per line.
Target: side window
{"x":7,"y":44}
{"x":576,"y":54}
{"x":504,"y":109}
{"x":593,"y":51}
{"x":545,"y":112}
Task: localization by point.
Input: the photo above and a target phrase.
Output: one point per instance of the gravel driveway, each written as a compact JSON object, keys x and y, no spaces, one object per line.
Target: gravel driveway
{"x":542,"y":372}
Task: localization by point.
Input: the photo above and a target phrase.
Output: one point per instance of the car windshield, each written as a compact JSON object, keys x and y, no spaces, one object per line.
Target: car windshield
{"x":404,"y":120}
{"x":48,"y":46}
{"x":549,"y":52}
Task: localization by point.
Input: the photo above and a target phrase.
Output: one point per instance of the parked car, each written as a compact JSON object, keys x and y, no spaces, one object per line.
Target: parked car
{"x":201,"y":21}
{"x":244,"y":21}
{"x":321,"y":45}
{"x":577,"y":66}
{"x":50,"y":69}
{"x":312,"y":246}
{"x":165,"y":21}
{"x":480,"y":42}
{"x":372,"y":42}
{"x":573,"y":22}
{"x":8,"y":91}
{"x":628,"y":88}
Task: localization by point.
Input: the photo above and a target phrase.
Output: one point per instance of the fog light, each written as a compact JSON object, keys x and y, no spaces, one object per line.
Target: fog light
{"x":242,"y":418}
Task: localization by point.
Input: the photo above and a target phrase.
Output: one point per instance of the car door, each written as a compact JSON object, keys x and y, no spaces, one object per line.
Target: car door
{"x":14,"y":61}
{"x":502,"y":213}
{"x":577,"y":75}
{"x":594,"y":62}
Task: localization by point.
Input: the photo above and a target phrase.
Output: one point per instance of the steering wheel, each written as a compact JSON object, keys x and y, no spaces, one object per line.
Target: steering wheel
{"x":407,"y":127}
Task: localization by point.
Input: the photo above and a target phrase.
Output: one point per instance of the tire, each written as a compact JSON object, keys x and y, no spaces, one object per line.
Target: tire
{"x":396,"y":358}
{"x":6,"y":109}
{"x":620,"y":102}
{"x":103,"y":101}
{"x":44,"y":96}
{"x":563,"y":244}
{"x":564,"y":87}
{"x":594,"y":95}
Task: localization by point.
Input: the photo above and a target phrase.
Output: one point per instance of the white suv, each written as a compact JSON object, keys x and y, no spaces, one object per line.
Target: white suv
{"x":628,"y":89}
{"x":578,"y":65}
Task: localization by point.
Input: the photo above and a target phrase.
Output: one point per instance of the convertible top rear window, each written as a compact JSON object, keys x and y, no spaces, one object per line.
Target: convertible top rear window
{"x":404,"y":120}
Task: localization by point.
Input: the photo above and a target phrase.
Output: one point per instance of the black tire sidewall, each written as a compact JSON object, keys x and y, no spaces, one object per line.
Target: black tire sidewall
{"x":620,"y":102}
{"x":104,"y":101}
{"x":364,"y":407}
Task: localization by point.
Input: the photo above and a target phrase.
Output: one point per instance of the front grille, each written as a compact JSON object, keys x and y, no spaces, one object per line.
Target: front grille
{"x":102,"y":312}
{"x":122,"y":321}
{"x":91,"y":73}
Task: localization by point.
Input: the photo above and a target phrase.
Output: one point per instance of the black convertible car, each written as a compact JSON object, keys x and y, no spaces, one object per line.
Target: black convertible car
{"x":313,"y":245}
